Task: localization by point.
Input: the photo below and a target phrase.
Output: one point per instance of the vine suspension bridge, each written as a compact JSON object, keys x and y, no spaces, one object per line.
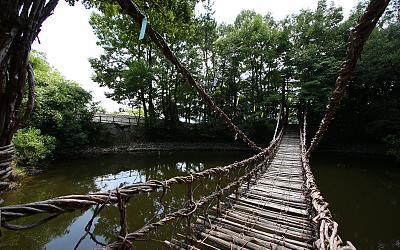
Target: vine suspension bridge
{"x":274,"y":204}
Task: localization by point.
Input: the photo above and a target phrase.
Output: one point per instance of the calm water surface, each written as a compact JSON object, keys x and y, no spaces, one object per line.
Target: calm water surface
{"x":364,"y":194}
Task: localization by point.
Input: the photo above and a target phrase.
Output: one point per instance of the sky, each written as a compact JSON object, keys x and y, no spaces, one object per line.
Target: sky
{"x":68,"y":39}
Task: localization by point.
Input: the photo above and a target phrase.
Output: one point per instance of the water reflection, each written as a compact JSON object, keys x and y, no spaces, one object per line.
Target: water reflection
{"x":364,"y":195}
{"x":103,"y":173}
{"x":112,"y":181}
{"x":73,"y":233}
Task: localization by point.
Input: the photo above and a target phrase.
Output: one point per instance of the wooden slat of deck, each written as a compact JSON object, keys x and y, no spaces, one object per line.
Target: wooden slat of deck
{"x":273,"y":213}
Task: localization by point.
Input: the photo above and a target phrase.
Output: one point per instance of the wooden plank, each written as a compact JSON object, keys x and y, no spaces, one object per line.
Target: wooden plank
{"x":273,"y":213}
{"x":268,"y":237}
{"x":267,"y":226}
{"x":283,"y":219}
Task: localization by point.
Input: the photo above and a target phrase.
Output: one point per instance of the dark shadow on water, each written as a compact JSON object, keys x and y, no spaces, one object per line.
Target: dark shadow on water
{"x":90,"y":174}
{"x":364,"y":197}
{"x":364,"y":193}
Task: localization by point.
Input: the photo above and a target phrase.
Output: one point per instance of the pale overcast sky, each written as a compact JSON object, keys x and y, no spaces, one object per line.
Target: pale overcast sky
{"x":68,"y":39}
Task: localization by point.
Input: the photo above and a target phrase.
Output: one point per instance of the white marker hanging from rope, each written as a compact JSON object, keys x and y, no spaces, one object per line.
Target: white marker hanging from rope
{"x":143,"y":29}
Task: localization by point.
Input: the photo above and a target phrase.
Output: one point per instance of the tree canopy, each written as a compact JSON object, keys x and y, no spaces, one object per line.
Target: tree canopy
{"x":62,"y":116}
{"x":247,"y":66}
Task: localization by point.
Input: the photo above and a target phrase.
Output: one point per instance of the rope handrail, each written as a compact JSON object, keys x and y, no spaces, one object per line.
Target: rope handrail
{"x":328,"y":237}
{"x":69,"y":203}
{"x":357,"y":38}
{"x":133,"y":10}
{"x":125,"y":241}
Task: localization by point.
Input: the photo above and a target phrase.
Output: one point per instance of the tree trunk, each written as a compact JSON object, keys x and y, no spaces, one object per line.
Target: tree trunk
{"x":143,"y":100}
{"x":150,"y":87}
{"x":20,"y":23}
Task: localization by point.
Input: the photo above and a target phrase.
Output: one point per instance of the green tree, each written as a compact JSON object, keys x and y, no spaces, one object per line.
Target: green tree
{"x":63,"y":109}
{"x":318,"y":40}
{"x":32,"y":147}
{"x":136,"y":71}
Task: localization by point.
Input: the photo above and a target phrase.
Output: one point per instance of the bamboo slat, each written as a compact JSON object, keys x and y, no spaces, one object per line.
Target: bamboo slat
{"x":272,"y":213}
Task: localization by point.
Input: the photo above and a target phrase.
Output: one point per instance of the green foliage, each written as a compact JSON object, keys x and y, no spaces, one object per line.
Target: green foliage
{"x":393,"y":145}
{"x":32,"y":147}
{"x":133,"y":68}
{"x":247,"y":65}
{"x":63,"y":109}
{"x":318,"y":47}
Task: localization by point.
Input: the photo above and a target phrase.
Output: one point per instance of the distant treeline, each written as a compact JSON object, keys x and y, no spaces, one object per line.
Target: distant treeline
{"x":245,"y":66}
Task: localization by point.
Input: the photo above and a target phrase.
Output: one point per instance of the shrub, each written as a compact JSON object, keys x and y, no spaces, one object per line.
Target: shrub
{"x":393,"y":145}
{"x":63,"y":109}
{"x":32,"y":147}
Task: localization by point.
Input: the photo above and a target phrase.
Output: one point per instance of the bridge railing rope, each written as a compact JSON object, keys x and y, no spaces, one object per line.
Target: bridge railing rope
{"x":130,"y":8}
{"x":357,"y":38}
{"x":278,"y":121}
{"x":59,"y":205}
{"x":327,"y":234}
{"x":328,"y":237}
{"x":126,"y":239}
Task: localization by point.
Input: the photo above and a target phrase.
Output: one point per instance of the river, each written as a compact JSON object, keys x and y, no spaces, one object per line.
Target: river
{"x":364,"y":194}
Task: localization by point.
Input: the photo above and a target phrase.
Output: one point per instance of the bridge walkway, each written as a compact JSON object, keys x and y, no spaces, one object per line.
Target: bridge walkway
{"x":273,"y":212}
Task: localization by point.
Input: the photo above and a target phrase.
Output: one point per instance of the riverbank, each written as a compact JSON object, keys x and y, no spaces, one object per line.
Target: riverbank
{"x":357,"y":177}
{"x":167,"y":146}
{"x":367,"y":149}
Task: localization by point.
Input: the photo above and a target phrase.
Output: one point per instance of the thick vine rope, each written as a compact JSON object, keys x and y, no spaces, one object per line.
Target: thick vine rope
{"x":132,"y":10}
{"x":358,"y":37}
{"x":193,"y":207}
{"x":20,"y":23}
{"x":6,"y":157}
{"x":328,"y":237}
{"x":69,"y":203}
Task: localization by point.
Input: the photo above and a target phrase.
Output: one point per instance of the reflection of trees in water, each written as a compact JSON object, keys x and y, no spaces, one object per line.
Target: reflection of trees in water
{"x":38,"y":237}
{"x":84,"y":175}
{"x":147,"y":208}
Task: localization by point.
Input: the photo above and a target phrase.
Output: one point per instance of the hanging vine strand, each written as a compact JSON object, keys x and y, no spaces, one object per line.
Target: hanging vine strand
{"x":133,"y":10}
{"x":327,"y":234}
{"x":70,"y":203}
{"x":357,"y":38}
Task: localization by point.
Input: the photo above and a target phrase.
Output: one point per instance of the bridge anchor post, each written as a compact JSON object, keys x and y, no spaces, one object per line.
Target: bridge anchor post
{"x":7,"y":154}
